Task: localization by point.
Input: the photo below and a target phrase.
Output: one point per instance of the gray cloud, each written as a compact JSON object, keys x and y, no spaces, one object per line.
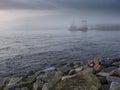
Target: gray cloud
{"x":110,"y":5}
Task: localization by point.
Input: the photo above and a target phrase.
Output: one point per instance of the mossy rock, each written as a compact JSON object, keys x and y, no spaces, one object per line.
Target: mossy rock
{"x":84,"y":80}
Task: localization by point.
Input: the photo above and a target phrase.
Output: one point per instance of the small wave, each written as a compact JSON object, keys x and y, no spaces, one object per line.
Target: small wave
{"x":5,"y":48}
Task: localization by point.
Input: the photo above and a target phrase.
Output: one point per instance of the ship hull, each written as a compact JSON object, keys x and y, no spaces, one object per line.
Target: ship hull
{"x":79,"y":29}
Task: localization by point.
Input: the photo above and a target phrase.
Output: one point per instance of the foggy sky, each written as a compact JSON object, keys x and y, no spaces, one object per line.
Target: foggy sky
{"x":58,"y":12}
{"x":110,"y":5}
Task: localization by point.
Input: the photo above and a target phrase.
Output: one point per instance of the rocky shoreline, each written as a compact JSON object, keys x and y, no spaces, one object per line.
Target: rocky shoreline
{"x":96,"y":74}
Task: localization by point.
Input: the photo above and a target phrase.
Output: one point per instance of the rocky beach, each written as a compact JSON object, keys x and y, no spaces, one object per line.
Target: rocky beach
{"x":96,"y":74}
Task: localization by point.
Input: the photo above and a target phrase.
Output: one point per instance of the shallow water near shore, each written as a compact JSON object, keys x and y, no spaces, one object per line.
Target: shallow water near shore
{"x":23,"y":51}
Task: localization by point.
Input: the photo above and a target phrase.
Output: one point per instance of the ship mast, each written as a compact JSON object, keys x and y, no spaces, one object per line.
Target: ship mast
{"x":84,"y":23}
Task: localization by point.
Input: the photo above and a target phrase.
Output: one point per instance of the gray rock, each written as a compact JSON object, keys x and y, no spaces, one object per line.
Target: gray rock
{"x":24,"y":88}
{"x":109,"y":69}
{"x":71,"y":64}
{"x":116,"y":64}
{"x":113,"y":79}
{"x":49,"y":69}
{"x":72,"y":72}
{"x":115,"y":60}
{"x":6,"y":80}
{"x":115,"y":72}
{"x":65,"y":70}
{"x":104,"y":87}
{"x":25,"y":84}
{"x":45,"y":86}
{"x":17,"y":89}
{"x":14,"y":81}
{"x":55,"y":79}
{"x":76,"y":66}
{"x":103,"y":81}
{"x":46,"y":76}
{"x":11,"y":87}
{"x":115,"y":86}
{"x":79,"y":69}
{"x":51,"y":78}
{"x":104,"y":74}
{"x":106,"y":63}
{"x":38,"y":84}
{"x":83,"y":80}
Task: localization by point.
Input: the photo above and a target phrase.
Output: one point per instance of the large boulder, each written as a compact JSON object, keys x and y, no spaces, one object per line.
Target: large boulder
{"x":52,"y":83}
{"x":47,"y":80}
{"x":115,"y":86}
{"x":113,"y":79}
{"x":14,"y":81}
{"x":83,"y":80}
{"x":105,"y":62}
{"x":2,"y":87}
{"x":24,"y":88}
{"x":65,"y":69}
{"x":42,"y":79}
{"x":115,"y":72}
{"x":95,"y":64}
{"x":105,"y":72}
{"x":38,"y":85}
{"x":19,"y":82}
{"x":45,"y":87}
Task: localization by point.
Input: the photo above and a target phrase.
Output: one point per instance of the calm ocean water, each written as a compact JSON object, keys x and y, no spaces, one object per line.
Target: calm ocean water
{"x":22,"y":51}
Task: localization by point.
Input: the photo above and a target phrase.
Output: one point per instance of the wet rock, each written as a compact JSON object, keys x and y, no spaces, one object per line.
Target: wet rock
{"x":51,"y":78}
{"x":12,"y":87}
{"x":109,"y":69}
{"x":42,"y":79}
{"x":97,"y":68}
{"x":19,"y":82}
{"x":95,"y":61}
{"x":45,"y":77}
{"x":51,"y":84}
{"x":115,"y":72}
{"x":102,"y":80}
{"x":116,"y":64}
{"x":38,"y":85}
{"x":105,"y":63}
{"x":115,"y":60}
{"x":65,"y":70}
{"x":17,"y":88}
{"x":45,"y":87}
{"x":1,"y":87}
{"x":72,"y":72}
{"x":55,"y":79}
{"x":6,"y":80}
{"x":24,"y":88}
{"x":27,"y":84}
{"x":49,"y":69}
{"x":113,"y":79}
{"x":105,"y":87}
{"x":71,"y":64}
{"x":76,"y":66}
{"x":14,"y":81}
{"x":68,"y":77}
{"x":83,"y":80}
{"x":95,"y":64}
{"x":115,"y":86}
{"x":91,"y":64}
{"x":104,"y":74}
{"x":79,"y":69}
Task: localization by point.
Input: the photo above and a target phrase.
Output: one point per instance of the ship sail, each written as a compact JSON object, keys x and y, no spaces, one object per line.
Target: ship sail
{"x":84,"y":27}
